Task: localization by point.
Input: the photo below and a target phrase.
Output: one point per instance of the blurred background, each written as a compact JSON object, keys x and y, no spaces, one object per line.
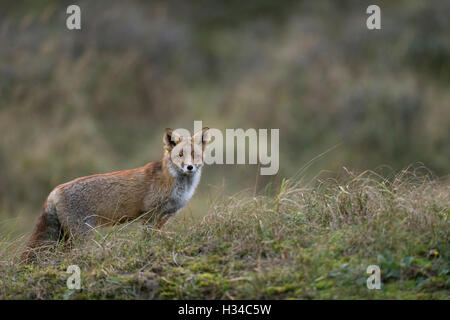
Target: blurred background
{"x":75,"y":103}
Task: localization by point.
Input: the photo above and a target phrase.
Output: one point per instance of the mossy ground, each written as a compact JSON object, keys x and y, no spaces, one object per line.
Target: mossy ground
{"x":300,"y":243}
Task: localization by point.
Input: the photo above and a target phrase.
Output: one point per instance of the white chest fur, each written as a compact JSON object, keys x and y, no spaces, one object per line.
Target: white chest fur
{"x":182,"y":192}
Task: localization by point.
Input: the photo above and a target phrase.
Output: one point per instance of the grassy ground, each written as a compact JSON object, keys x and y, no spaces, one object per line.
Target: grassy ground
{"x":299,"y":242}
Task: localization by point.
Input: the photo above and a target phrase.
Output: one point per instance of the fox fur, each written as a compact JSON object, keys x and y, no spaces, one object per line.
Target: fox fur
{"x":155,"y":192}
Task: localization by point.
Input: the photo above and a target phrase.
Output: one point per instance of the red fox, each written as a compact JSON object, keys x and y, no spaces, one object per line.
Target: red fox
{"x":156,"y":191}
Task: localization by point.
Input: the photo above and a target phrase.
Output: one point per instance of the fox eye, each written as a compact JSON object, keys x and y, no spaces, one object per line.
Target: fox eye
{"x":180,"y":154}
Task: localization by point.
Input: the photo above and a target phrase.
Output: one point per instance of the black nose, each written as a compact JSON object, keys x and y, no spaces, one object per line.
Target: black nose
{"x":189,"y":167}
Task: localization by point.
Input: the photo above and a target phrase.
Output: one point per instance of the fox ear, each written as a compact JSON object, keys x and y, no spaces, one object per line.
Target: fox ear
{"x":204,"y":136}
{"x":170,"y":139}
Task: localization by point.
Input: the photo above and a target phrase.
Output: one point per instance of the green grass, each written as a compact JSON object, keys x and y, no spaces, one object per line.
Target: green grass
{"x":301,"y":242}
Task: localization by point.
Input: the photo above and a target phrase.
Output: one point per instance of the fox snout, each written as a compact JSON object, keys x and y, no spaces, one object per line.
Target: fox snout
{"x":187,"y":163}
{"x":189,"y":168}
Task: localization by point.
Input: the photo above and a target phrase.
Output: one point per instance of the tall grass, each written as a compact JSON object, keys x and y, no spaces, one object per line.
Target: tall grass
{"x":299,"y":242}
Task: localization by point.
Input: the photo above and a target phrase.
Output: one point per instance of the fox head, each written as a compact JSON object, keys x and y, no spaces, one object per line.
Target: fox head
{"x":185,"y":154}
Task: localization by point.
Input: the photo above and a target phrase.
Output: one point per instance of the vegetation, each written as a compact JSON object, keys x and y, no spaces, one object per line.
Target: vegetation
{"x":301,"y":242}
{"x":75,"y":103}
